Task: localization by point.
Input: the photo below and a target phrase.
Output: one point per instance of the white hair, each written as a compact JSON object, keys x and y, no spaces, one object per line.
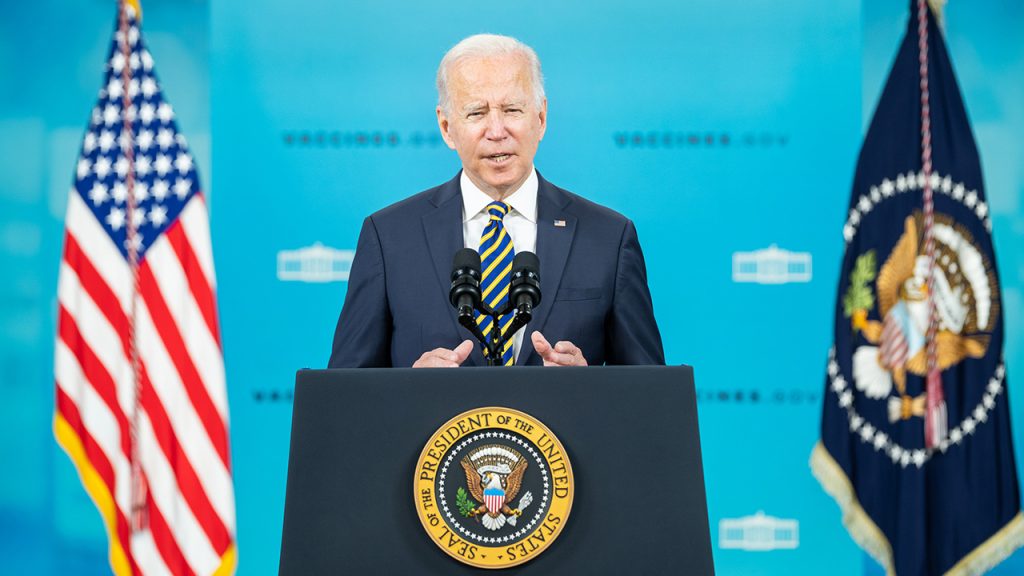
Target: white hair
{"x":485,"y":46}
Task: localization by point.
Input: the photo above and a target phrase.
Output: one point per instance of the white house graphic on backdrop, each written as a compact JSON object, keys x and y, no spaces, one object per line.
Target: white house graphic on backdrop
{"x":316,"y":263}
{"x":758,"y":533}
{"x":771,"y":265}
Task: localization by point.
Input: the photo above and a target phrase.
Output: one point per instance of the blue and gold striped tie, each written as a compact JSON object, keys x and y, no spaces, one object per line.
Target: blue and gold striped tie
{"x":496,"y":253}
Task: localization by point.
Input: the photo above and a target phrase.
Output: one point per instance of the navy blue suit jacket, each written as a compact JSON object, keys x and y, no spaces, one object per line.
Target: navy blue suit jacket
{"x":593,"y":284}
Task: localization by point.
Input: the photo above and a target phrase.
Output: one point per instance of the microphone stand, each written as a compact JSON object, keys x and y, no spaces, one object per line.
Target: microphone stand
{"x":494,"y":342}
{"x":468,"y":321}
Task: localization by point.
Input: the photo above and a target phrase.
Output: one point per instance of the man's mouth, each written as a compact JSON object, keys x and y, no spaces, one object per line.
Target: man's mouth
{"x":499,"y":158}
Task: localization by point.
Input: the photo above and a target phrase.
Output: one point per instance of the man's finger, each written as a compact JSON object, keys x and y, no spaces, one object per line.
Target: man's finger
{"x":445,"y":354}
{"x":430,"y":360}
{"x":442,"y":358}
{"x":559,"y":359}
{"x":552,"y":354}
{"x":563,"y":353}
{"x":462,"y":351}
{"x":544,"y":349}
{"x":566,"y":348}
{"x":540,"y":343}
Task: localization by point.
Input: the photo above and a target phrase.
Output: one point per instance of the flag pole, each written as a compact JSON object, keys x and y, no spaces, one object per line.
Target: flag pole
{"x":935,"y":415}
{"x":138,"y":517}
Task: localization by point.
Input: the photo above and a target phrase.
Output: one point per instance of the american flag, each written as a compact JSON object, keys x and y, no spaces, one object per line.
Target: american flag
{"x":141,"y":404}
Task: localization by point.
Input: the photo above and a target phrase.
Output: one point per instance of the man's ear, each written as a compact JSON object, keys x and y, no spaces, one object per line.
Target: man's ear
{"x":543,"y":116}
{"x":444,"y":125}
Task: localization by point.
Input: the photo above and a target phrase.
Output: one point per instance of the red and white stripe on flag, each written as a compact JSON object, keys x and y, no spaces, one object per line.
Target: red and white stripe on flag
{"x":164,"y":312}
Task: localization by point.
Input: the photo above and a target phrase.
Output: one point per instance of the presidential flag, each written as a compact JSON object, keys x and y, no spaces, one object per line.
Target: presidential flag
{"x":141,"y":405}
{"x":915,"y":435}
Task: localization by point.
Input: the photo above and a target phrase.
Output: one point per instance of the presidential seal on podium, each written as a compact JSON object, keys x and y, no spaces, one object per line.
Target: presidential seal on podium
{"x":493,"y":487}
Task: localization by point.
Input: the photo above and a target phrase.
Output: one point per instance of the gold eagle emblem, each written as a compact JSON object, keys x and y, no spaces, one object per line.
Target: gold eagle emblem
{"x":963,"y":290}
{"x":494,"y":475}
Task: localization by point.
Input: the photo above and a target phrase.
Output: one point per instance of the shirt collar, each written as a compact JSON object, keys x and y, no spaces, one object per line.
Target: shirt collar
{"x":523,"y":200}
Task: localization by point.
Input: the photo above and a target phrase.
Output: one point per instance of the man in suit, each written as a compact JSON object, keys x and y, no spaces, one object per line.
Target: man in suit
{"x":595,"y":301}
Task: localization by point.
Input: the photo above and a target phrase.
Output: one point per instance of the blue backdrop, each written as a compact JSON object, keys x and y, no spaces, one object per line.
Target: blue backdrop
{"x":730,"y":127}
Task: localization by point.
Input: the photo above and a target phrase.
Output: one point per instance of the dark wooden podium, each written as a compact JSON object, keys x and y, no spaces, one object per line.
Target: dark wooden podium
{"x":630,"y":432}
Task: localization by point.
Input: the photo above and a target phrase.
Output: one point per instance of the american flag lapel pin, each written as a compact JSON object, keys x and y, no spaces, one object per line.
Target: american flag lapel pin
{"x":559,"y":223}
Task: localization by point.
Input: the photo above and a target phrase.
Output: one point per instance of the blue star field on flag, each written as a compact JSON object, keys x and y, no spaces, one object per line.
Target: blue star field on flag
{"x":165,"y":177}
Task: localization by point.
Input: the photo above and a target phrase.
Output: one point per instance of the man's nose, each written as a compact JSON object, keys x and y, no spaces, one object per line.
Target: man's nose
{"x":496,"y":129}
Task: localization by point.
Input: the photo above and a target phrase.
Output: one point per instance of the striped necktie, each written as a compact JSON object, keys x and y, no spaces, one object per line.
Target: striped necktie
{"x":496,"y":253}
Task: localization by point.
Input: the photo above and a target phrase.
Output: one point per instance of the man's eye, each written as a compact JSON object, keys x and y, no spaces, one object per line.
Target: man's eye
{"x":475,"y":114}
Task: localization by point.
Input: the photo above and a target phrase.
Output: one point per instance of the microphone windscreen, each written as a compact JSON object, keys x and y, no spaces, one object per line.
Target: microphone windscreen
{"x":467,"y":258}
{"x":526,"y":261}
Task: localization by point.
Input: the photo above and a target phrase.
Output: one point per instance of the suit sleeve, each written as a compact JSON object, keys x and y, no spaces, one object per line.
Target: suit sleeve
{"x":632,"y":335}
{"x":363,"y":335}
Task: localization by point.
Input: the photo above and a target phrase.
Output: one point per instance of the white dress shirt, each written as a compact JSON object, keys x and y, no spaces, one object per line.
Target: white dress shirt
{"x":520,"y":223}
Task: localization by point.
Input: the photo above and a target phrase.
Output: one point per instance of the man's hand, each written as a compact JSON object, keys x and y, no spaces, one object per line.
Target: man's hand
{"x":561,"y":354}
{"x":445,"y":358}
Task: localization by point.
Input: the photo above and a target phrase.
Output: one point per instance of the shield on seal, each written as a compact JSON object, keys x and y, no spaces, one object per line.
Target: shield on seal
{"x":494,"y":499}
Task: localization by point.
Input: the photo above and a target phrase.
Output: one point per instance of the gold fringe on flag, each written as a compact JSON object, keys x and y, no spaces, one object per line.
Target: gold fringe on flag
{"x":870,"y":538}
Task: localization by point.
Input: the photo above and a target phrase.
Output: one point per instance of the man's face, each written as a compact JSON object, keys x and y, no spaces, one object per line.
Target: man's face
{"x":493,"y":123}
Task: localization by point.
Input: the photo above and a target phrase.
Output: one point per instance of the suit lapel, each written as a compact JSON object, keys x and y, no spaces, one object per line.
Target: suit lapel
{"x":553,"y":244}
{"x":442,"y":228}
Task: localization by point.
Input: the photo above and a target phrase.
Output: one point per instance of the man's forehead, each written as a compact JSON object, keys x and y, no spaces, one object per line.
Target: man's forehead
{"x":503,"y":68}
{"x":494,"y":81}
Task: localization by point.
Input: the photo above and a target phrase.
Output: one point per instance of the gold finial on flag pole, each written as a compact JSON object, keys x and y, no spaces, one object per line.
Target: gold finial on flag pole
{"x":134,"y":5}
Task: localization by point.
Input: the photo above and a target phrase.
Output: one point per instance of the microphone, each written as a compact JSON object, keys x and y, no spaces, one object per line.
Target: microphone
{"x":465,"y":296}
{"x":465,"y":291}
{"x":524,"y":288}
